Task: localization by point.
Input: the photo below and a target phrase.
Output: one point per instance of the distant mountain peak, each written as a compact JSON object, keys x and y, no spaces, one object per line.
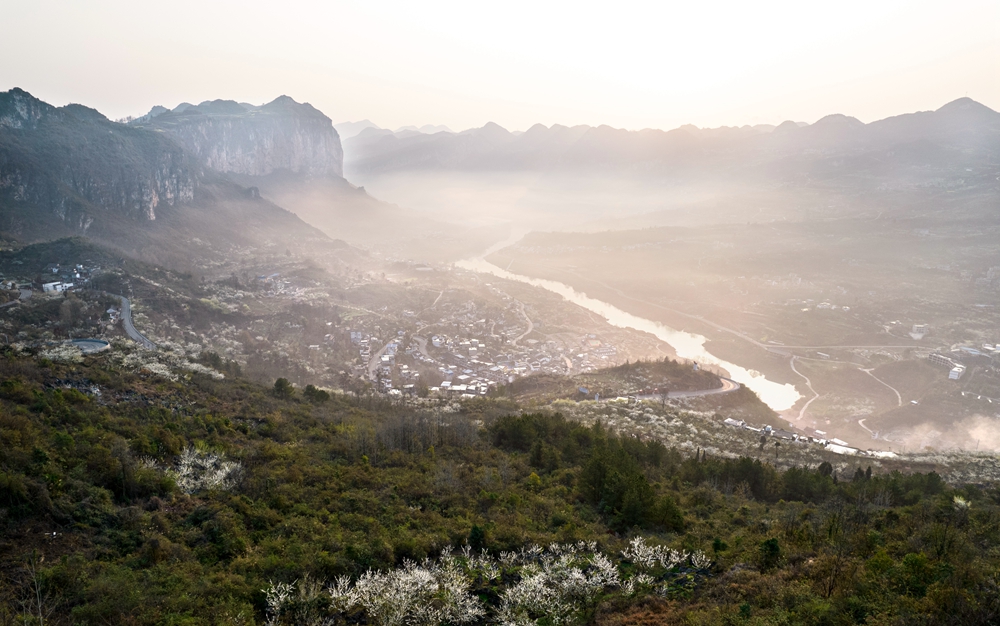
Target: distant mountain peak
{"x":490,"y":130}
{"x":838,"y":120}
{"x":283,"y":100}
{"x":221,"y":107}
{"x":20,"y":109}
{"x":352,"y":129}
{"x":966,"y":105}
{"x":786,"y":126}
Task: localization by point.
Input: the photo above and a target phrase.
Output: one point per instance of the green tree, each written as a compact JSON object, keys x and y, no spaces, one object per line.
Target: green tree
{"x":770,"y":554}
{"x":477,"y":538}
{"x":283,"y":389}
{"x":315,"y":395}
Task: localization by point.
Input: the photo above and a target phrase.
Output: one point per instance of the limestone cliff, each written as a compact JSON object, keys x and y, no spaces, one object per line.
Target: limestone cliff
{"x":254,"y":141}
{"x":75,"y":163}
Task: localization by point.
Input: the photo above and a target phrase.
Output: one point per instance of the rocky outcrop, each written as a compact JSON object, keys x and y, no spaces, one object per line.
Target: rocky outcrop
{"x":76,"y":163}
{"x":254,"y":141}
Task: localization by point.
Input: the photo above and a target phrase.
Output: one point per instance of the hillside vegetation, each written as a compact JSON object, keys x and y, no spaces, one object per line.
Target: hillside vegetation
{"x":129,"y":498}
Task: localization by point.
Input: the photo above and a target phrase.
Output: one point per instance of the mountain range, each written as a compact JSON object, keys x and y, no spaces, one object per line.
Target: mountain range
{"x":195,"y":181}
{"x":352,"y":129}
{"x":963,"y":133}
{"x":235,"y":174}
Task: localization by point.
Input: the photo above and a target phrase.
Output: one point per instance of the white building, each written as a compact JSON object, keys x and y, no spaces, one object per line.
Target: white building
{"x":56,"y":287}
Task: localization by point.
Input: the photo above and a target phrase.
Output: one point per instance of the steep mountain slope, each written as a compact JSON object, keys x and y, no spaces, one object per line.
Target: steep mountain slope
{"x":291,"y":153}
{"x":75,"y":164}
{"x":255,"y":141}
{"x":71,"y":171}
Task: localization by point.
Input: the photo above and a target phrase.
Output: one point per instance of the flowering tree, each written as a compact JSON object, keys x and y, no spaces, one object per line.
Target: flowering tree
{"x":421,"y":595}
{"x":553,"y":585}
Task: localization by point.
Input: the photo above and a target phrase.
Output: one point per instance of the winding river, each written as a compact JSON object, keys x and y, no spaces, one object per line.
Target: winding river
{"x":778,"y":396}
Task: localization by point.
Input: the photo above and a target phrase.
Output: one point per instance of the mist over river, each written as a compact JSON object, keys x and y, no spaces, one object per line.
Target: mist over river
{"x":687,"y":345}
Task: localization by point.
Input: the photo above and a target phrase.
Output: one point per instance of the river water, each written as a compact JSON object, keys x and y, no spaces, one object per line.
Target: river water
{"x":778,"y":396}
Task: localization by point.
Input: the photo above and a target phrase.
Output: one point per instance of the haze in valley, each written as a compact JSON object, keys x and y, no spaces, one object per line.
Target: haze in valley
{"x":809,"y":194}
{"x":454,"y":313}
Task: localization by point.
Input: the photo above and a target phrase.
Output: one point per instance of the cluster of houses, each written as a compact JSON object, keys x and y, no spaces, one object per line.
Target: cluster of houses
{"x":472,"y":369}
{"x":470,"y":372}
{"x":831,"y":444}
{"x":475,"y":353}
{"x":275,"y":286}
{"x":363,"y":341}
{"x":958,"y":360}
{"x":55,"y":278}
{"x":467,"y":365}
{"x":66,"y":277}
{"x":956,"y":369}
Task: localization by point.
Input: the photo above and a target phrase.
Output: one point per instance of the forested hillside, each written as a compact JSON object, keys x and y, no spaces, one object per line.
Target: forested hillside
{"x":130,"y":498}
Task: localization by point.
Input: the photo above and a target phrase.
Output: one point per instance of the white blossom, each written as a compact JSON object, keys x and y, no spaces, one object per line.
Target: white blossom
{"x":276,"y":595}
{"x":64,"y":353}
{"x":428,"y":594}
{"x":700,"y":560}
{"x":205,"y":470}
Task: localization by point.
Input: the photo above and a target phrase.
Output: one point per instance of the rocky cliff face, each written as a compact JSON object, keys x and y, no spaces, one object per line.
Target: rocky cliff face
{"x":77,"y":164}
{"x":254,"y":141}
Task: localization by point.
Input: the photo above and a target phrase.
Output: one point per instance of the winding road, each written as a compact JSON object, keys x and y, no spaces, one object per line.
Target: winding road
{"x":531,"y":325}
{"x":861,"y":422}
{"x":727,"y":387}
{"x":802,"y":411}
{"x":899,"y":398}
{"x":127,"y":324}
{"x":130,"y":330}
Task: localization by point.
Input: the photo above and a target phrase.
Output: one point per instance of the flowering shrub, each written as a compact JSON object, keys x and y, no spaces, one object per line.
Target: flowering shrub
{"x":64,"y":353}
{"x":553,"y":585}
{"x":196,"y":471}
{"x":162,"y":364}
{"x":434,"y":592}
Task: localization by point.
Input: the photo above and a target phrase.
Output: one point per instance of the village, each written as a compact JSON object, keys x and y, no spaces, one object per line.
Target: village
{"x":475,"y":356}
{"x":53,"y":278}
{"x":454,"y":337}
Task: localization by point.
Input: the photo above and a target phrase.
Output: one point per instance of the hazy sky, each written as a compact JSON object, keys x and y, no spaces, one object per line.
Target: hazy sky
{"x":626,"y":64}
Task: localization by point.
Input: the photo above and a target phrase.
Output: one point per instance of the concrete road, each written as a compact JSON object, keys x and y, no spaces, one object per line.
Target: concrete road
{"x":531,"y":325}
{"x":376,"y":361}
{"x":727,"y":386}
{"x":422,"y":347}
{"x":130,"y":330}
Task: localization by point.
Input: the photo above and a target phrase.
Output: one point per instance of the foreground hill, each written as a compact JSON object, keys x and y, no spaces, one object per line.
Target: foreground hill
{"x":128,"y":498}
